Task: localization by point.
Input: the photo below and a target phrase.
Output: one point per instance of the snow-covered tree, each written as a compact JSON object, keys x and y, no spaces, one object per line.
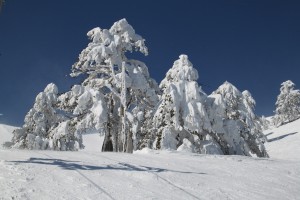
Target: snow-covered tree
{"x":234,"y":123}
{"x":265,"y":123}
{"x":43,"y":128}
{"x":287,"y":104}
{"x":181,"y":117}
{"x":125,"y":83}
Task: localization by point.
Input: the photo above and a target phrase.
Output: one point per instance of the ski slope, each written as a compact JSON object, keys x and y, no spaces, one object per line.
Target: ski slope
{"x":284,"y":141}
{"x":146,"y":174}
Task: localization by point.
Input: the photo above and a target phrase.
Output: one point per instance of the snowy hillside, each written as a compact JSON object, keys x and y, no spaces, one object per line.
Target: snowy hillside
{"x":5,"y":133}
{"x":284,"y":141}
{"x":149,"y":174}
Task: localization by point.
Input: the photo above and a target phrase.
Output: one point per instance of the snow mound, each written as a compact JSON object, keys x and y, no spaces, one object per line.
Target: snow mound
{"x":145,"y":150}
{"x":284,"y":141}
{"x":186,"y":146}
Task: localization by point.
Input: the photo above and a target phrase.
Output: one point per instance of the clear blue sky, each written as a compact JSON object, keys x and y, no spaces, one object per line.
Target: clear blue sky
{"x":254,"y":44}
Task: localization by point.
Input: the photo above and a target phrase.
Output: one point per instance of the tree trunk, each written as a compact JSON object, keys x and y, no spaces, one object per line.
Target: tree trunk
{"x":107,"y":143}
{"x":129,"y":148}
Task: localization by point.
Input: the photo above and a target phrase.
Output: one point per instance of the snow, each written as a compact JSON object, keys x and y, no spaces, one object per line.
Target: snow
{"x":284,"y":141}
{"x":150,"y":174}
{"x":5,"y":133}
{"x":186,"y":146}
{"x":92,"y":142}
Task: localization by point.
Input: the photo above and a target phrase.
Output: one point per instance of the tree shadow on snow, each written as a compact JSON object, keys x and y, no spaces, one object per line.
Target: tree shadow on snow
{"x":75,"y":165}
{"x":280,"y":137}
{"x":154,"y":169}
{"x":269,"y":134}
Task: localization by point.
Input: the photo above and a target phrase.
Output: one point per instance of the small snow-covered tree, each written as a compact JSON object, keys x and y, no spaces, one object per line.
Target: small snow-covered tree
{"x":125,"y":83}
{"x":255,"y":138}
{"x":265,"y":123}
{"x":181,"y":117}
{"x":41,"y":121}
{"x":287,"y":104}
{"x":236,"y":127}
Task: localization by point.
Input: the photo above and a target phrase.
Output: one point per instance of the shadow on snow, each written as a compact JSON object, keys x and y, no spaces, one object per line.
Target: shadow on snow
{"x":75,"y":165}
{"x":269,"y":134}
{"x":281,"y":137}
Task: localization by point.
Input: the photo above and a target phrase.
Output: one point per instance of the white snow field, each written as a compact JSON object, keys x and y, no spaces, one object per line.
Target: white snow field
{"x":284,"y":142}
{"x":147,"y":174}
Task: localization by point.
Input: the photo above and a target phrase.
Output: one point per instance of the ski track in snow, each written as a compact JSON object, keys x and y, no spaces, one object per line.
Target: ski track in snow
{"x":90,"y":174}
{"x":87,"y":179}
{"x":135,"y":167}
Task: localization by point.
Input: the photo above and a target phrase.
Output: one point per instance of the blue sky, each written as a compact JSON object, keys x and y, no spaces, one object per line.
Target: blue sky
{"x":254,"y":44}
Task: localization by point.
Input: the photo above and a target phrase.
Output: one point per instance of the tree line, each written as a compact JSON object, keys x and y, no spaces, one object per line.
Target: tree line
{"x":119,"y":100}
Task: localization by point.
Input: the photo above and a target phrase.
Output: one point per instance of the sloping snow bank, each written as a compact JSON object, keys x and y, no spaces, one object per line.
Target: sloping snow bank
{"x":284,"y":141}
{"x":5,"y":133}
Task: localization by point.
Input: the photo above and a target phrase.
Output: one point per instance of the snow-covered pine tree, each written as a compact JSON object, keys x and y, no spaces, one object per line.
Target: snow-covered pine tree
{"x":43,"y":128}
{"x":234,"y":122}
{"x":129,"y":93}
{"x":287,"y":104}
{"x":181,"y":119}
{"x":256,"y":138}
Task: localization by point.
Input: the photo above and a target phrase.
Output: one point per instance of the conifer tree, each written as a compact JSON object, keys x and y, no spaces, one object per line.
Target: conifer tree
{"x":234,"y":123}
{"x":287,"y":104}
{"x":42,"y":128}
{"x":181,"y":116}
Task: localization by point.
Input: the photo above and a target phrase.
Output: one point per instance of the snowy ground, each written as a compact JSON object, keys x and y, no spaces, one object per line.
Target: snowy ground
{"x":90,"y":174}
{"x":284,"y":142}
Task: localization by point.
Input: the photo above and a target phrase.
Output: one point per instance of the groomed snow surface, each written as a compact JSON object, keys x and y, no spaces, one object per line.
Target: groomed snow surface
{"x":148,"y":174}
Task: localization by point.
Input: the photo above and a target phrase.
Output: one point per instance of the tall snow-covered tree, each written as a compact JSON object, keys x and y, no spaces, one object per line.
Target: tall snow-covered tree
{"x":181,"y":117}
{"x":287,"y":104}
{"x":234,"y":123}
{"x":128,"y":89}
{"x":43,"y":128}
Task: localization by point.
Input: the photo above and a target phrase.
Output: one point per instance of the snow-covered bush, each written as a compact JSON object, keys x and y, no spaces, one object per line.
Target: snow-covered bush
{"x":234,"y":123}
{"x":287,"y":104}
